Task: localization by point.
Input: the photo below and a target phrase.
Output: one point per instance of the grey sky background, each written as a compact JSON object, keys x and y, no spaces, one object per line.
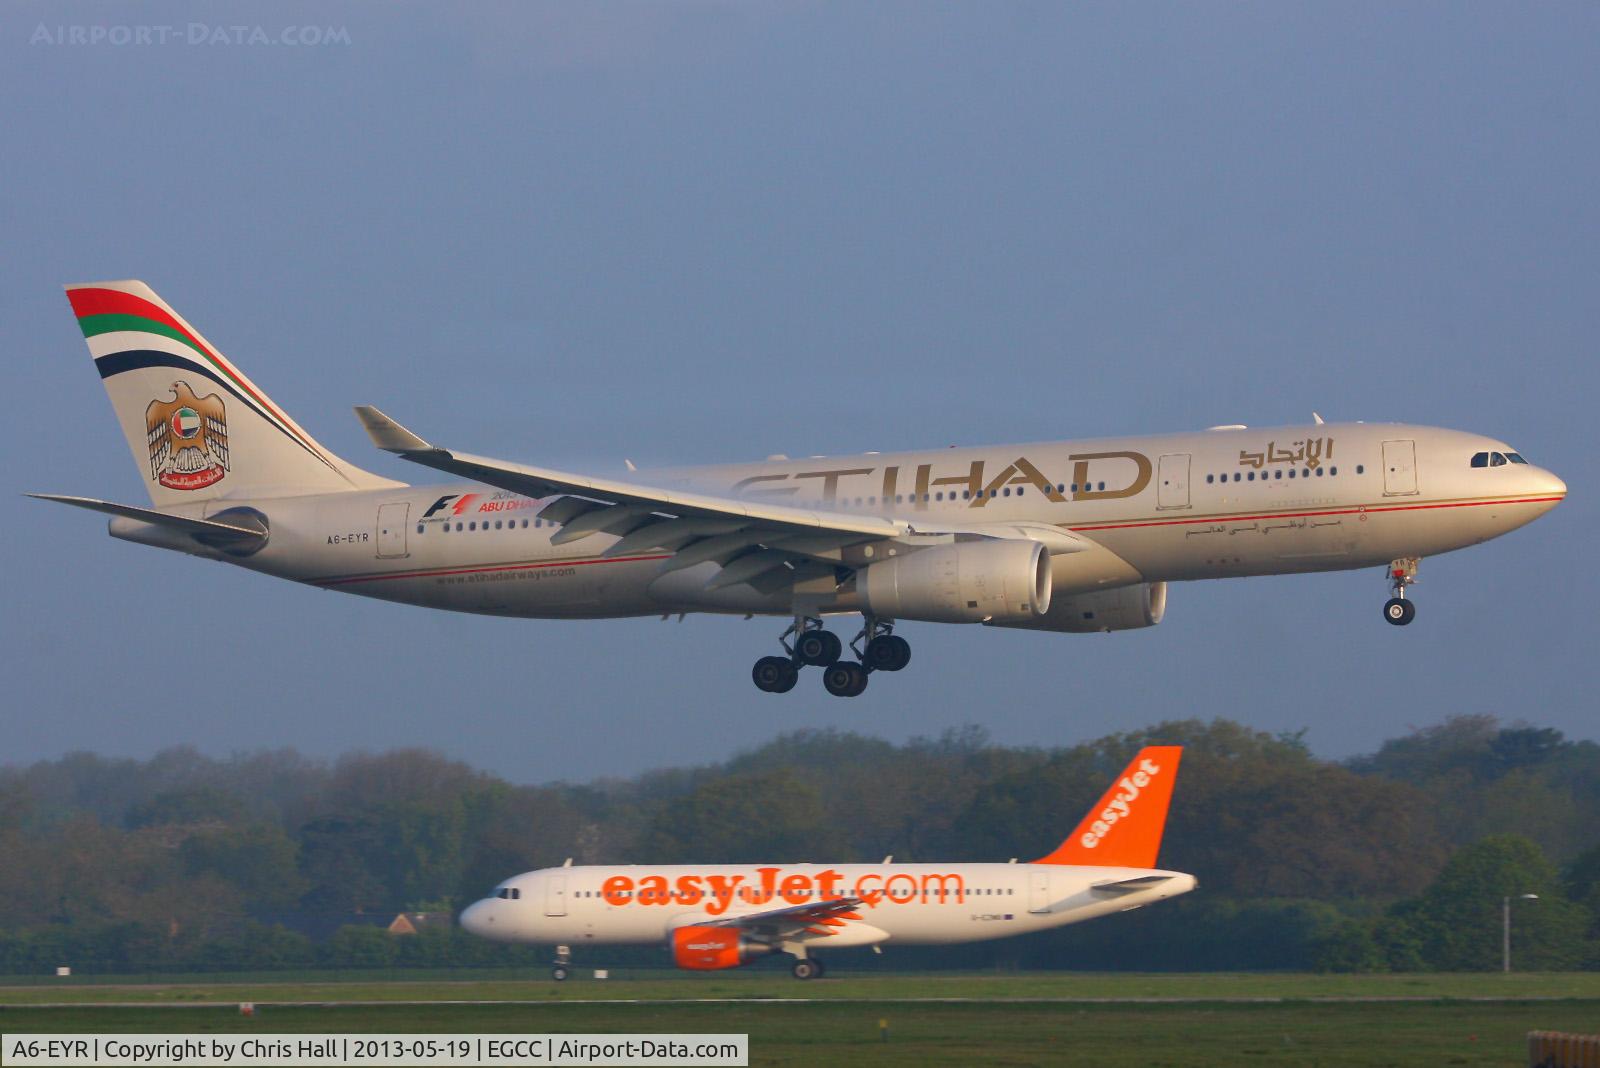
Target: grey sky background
{"x":574,"y":233}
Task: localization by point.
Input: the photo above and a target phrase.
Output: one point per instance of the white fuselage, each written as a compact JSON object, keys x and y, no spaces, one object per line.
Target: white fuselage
{"x":1213,"y":504}
{"x":910,"y":904}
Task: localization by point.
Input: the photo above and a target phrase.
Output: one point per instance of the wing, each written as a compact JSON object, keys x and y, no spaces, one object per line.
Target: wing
{"x":764,"y":544}
{"x":822,"y":918}
{"x":752,"y":540}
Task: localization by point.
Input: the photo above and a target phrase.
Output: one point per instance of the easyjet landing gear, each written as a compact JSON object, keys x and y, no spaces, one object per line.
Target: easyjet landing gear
{"x":807,"y":968}
{"x":1402,"y":573}
{"x":563,"y":963}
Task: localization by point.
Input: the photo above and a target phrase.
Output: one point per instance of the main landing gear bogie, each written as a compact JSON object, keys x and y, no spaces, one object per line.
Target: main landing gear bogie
{"x":1402,"y":573}
{"x":813,"y":646}
{"x":807,"y":968}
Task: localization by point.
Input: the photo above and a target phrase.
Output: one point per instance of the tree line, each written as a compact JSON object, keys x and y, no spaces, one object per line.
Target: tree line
{"x":1397,"y":860}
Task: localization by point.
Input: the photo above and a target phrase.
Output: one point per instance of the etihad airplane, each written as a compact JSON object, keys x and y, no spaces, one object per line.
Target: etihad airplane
{"x":1069,"y":536}
{"x":723,"y":915}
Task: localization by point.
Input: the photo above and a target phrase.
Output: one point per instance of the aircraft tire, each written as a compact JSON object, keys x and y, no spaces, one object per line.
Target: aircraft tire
{"x":1399,"y":611}
{"x":845,"y":679}
{"x":819,"y":647}
{"x":774,"y":674}
{"x":888,"y":652}
{"x":806,"y":969}
{"x":559,"y":973}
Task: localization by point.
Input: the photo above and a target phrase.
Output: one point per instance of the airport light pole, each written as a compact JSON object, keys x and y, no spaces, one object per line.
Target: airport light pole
{"x":1505,"y":928}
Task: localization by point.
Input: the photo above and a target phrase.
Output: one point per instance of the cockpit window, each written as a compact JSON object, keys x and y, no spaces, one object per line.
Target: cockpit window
{"x":1515,"y":457}
{"x":1480,"y":459}
{"x":1496,"y":460}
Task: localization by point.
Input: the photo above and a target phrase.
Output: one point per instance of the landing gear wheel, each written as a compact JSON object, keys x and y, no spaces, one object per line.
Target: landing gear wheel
{"x":888,"y":652}
{"x":775,"y":674}
{"x":1399,"y":611}
{"x":806,"y":969}
{"x":819,"y":647}
{"x":559,"y":973}
{"x":845,"y":679}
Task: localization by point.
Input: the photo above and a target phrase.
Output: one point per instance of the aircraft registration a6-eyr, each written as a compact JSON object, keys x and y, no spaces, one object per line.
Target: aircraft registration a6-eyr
{"x":721,"y":916}
{"x":1071,"y":536}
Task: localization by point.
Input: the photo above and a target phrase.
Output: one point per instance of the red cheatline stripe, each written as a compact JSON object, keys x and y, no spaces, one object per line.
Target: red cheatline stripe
{"x":87,"y":302}
{"x":1303,"y":515}
{"x":483,"y":570}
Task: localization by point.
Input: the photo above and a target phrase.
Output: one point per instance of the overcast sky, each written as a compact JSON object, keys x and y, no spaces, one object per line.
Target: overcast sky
{"x":575,"y":233}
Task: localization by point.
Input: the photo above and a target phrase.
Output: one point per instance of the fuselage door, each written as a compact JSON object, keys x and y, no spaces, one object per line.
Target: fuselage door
{"x":1039,"y":888}
{"x":555,"y":895}
{"x":1172,"y":481}
{"x":392,"y":520}
{"x":1399,"y":468}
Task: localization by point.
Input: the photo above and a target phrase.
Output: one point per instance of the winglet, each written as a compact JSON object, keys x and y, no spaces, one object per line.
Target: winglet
{"x":1125,"y":828}
{"x":387,"y":434}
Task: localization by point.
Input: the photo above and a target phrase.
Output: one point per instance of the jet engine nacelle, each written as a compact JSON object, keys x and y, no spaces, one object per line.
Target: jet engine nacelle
{"x":1123,"y":608}
{"x":709,"y":949}
{"x":967,"y":582}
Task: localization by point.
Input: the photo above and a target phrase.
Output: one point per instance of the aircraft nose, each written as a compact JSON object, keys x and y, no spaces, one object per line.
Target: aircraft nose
{"x":478,"y":918}
{"x":1551,"y":485}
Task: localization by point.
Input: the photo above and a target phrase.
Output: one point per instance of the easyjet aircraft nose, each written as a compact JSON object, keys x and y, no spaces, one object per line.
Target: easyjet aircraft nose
{"x":478,"y":918}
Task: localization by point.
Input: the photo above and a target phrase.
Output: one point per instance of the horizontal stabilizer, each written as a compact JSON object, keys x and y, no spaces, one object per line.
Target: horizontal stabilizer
{"x":155,"y":518}
{"x":1130,"y":886}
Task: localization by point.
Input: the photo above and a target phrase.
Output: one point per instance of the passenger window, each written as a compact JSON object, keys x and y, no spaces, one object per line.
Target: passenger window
{"x":1332,"y":471}
{"x":419,"y":528}
{"x":1361,"y":469}
{"x":1291,"y":472}
{"x":1004,"y":493}
{"x":1480,"y":459}
{"x":1319,"y":472}
{"x":1251,"y":477}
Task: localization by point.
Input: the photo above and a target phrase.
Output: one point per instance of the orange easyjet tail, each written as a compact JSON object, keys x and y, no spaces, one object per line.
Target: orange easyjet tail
{"x":1124,"y":829}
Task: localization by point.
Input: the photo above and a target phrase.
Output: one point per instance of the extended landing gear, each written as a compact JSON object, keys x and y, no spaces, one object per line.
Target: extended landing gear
{"x":815,"y":647}
{"x":563,"y":963}
{"x":845,"y":679}
{"x":1402,"y":573}
{"x":807,"y":968}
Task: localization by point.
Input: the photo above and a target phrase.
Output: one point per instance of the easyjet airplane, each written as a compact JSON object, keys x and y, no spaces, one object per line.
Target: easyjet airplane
{"x":1072,"y":536}
{"x":721,"y":916}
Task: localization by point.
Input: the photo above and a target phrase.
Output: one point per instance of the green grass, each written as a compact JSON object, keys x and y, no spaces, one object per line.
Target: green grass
{"x":774,"y":982}
{"x":847,"y":1032}
{"x":836,"y":1021}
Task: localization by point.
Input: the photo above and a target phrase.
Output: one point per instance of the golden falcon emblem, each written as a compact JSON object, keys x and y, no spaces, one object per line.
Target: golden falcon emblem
{"x":188,"y":439}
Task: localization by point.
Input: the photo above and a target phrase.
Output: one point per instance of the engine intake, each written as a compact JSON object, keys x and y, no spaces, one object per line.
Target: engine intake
{"x":967,"y":582}
{"x":709,"y":949}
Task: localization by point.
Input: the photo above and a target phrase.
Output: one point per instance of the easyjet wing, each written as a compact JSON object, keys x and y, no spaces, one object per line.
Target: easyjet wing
{"x":822,"y":914}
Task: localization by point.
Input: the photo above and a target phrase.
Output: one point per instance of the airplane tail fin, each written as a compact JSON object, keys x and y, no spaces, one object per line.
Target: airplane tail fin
{"x":199,"y":429}
{"x":1124,"y":830}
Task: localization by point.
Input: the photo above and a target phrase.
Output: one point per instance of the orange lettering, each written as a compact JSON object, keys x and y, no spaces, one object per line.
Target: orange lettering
{"x":616,"y":889}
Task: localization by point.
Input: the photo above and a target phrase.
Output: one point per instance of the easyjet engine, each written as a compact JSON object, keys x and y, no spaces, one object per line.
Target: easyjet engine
{"x":1123,"y":608}
{"x":999,"y":580}
{"x":708,"y":949}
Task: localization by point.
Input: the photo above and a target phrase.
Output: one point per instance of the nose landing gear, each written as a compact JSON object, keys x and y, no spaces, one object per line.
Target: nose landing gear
{"x":1402,"y":573}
